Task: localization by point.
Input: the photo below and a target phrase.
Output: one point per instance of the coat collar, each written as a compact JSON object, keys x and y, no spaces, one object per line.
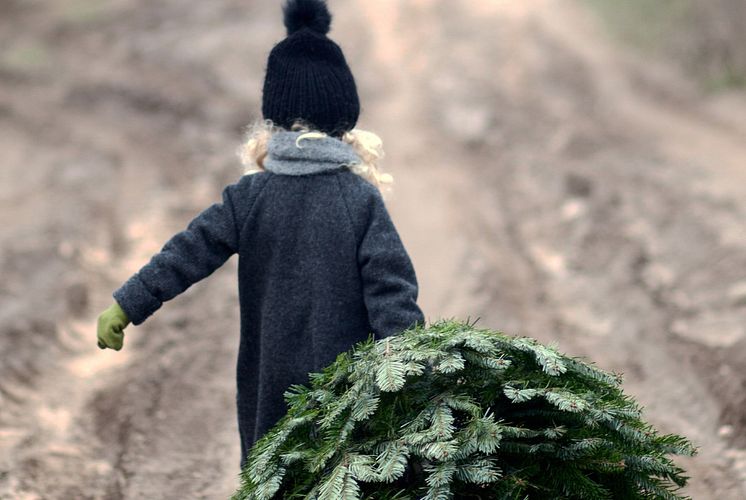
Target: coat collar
{"x":288,"y":156}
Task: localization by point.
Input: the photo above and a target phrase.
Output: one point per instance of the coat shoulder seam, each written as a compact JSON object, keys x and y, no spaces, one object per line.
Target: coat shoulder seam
{"x":358,"y":238}
{"x":249,"y":209}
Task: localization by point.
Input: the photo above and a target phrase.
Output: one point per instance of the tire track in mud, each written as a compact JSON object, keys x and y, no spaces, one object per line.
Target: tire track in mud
{"x":684,"y":211}
{"x":88,"y":425}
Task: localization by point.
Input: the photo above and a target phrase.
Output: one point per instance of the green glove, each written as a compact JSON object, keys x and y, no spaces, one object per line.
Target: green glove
{"x":111,"y":325}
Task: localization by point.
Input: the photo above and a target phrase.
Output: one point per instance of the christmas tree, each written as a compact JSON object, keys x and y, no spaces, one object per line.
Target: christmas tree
{"x":453,"y":411}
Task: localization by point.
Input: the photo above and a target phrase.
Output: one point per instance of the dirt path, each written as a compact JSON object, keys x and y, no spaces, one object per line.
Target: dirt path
{"x":602,"y":209}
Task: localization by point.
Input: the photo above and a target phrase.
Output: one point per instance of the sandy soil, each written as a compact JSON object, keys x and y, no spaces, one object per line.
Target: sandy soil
{"x":546,"y":182}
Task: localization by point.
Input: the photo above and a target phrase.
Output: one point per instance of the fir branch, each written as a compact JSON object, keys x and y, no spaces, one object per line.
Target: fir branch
{"x":452,"y":411}
{"x":390,"y":375}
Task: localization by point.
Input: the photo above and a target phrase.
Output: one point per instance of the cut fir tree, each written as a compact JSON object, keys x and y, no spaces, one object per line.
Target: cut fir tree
{"x":453,"y":411}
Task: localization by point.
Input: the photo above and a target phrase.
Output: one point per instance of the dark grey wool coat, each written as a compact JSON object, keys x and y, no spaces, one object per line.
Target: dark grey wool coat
{"x":321,"y":266}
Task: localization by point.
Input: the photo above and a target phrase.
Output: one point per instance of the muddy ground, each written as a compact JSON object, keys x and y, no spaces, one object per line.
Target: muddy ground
{"x":547,"y":181}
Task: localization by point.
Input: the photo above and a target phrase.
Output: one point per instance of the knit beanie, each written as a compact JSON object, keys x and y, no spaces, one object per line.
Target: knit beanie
{"x":307,"y":75}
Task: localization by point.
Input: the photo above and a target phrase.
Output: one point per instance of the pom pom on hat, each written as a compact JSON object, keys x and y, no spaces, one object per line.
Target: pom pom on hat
{"x":312,"y":14}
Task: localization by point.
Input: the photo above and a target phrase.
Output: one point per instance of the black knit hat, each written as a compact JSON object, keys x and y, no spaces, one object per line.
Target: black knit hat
{"x":307,"y":75}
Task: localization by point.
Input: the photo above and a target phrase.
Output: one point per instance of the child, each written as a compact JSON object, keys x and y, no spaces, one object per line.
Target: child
{"x":321,"y":264}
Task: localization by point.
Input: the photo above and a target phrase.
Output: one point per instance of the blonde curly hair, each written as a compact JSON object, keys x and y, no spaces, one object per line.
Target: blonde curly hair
{"x":367,"y":145}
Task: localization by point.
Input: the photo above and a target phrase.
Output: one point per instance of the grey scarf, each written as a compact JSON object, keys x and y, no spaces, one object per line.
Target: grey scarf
{"x":308,"y":156}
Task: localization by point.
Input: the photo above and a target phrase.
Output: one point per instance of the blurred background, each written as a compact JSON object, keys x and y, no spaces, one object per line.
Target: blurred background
{"x":571,"y":170}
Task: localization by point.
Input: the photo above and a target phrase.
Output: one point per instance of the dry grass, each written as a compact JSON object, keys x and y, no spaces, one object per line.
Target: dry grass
{"x":705,"y":37}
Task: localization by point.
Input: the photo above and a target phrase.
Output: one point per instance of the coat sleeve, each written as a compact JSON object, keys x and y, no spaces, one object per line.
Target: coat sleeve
{"x":389,"y":280}
{"x":189,"y":256}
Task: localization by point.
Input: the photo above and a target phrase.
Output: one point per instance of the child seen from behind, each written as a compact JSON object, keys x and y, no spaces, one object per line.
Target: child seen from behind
{"x":321,"y":265}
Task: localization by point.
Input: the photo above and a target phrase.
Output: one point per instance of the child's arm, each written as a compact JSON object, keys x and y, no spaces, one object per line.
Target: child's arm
{"x":189,"y":256}
{"x":389,"y":280}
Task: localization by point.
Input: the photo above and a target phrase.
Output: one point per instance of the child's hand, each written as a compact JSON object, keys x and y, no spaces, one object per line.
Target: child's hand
{"x":111,"y":325}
